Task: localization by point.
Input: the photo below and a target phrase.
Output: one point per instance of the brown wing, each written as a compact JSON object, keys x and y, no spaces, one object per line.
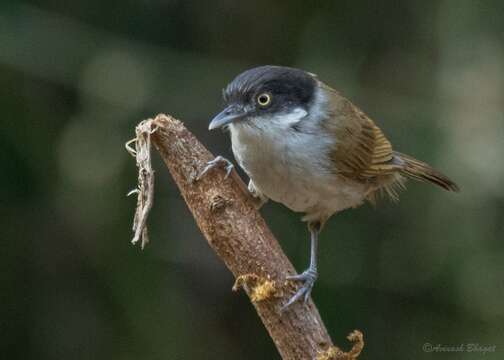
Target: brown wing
{"x":362,"y":151}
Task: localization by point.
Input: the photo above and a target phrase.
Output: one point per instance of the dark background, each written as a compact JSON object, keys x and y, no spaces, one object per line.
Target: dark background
{"x":77,"y":76}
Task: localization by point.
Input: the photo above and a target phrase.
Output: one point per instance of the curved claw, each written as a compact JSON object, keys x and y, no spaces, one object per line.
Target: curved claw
{"x":308,"y":277}
{"x":218,"y":161}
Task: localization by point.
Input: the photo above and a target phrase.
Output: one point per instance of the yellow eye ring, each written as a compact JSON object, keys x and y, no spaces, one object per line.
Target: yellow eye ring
{"x":264,"y":99}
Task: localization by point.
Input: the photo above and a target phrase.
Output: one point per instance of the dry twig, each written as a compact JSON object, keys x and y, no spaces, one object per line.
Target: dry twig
{"x":145,"y":189}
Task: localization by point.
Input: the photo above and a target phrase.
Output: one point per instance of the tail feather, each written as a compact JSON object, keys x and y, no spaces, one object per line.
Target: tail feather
{"x":418,"y":170}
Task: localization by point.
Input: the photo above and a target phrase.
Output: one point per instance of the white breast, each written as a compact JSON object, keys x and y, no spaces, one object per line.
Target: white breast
{"x":291,"y":167}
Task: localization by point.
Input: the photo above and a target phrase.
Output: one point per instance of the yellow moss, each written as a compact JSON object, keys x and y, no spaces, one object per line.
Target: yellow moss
{"x":329,"y":354}
{"x":335,"y":353}
{"x":263,"y":291}
{"x":259,"y":288}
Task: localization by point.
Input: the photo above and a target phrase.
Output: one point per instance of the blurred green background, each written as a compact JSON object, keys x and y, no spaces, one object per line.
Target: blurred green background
{"x":75,"y":79}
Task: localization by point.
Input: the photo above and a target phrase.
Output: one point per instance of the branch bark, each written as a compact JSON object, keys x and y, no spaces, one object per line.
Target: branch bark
{"x":226,"y":215}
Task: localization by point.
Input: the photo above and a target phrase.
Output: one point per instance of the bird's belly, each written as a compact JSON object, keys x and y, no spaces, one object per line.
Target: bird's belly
{"x":297,"y":194}
{"x":287,"y":172}
{"x":300,"y":187}
{"x":311,"y":196}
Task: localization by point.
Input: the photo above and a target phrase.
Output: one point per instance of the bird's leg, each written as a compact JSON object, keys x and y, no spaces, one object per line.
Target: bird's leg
{"x":308,"y":276}
{"x":218,"y":161}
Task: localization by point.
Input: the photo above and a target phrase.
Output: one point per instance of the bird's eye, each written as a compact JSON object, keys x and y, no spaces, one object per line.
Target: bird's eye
{"x":264,"y":99}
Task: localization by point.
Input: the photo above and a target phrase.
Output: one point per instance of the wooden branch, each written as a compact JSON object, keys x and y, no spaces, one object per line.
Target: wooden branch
{"x":225,"y":214}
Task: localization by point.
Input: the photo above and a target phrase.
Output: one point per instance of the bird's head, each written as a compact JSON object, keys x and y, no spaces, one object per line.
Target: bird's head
{"x":267,"y":95}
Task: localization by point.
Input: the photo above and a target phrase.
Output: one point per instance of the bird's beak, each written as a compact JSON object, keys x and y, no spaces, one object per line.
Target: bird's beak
{"x":227,"y":116}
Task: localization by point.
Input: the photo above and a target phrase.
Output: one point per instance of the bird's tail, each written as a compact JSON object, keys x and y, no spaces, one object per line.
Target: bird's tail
{"x":418,"y":170}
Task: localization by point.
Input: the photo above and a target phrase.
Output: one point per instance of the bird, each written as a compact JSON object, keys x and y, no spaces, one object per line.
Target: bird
{"x":306,"y":146}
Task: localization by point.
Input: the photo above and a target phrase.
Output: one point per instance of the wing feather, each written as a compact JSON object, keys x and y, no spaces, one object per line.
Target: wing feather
{"x":362,"y":152}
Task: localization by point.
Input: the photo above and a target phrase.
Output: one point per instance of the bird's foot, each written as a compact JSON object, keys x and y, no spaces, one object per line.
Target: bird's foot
{"x":218,"y":161}
{"x":308,"y":278}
